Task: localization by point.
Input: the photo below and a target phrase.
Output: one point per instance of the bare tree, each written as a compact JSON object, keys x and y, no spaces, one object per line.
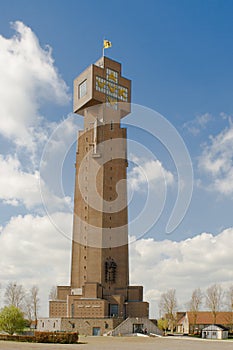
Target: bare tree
{"x":53,"y":293}
{"x":214,"y":296}
{"x":14,"y":295}
{"x":229,"y":298}
{"x":28,"y":307}
{"x":195,"y":304}
{"x":229,"y":304}
{"x":31,"y":303}
{"x":168,"y":305}
{"x":35,"y":300}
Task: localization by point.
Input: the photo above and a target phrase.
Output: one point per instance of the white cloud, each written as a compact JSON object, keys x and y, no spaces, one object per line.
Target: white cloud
{"x":149,"y":172}
{"x":33,"y":251}
{"x":28,"y":78}
{"x":185,"y":265}
{"x":199,"y":123}
{"x":217,"y":162}
{"x":19,"y":187}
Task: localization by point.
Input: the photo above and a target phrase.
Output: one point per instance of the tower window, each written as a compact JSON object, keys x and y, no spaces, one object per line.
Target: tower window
{"x":111,"y":125}
{"x":83,"y":89}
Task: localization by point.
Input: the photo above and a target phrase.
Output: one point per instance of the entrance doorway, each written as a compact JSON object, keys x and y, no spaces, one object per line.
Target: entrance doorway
{"x":113,"y":310}
{"x":96,"y":331}
{"x":138,"y":328}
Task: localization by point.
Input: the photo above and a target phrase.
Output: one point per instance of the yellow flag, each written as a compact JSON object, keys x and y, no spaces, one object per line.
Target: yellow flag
{"x":107,"y":44}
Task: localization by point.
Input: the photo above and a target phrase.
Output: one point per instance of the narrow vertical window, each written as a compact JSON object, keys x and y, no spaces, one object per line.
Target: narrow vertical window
{"x":82,"y":89}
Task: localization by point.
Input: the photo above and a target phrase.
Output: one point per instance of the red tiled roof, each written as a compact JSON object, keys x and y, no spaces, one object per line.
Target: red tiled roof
{"x":206,"y":317}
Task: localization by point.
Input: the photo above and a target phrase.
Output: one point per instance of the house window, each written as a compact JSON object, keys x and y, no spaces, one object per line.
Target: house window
{"x":83,"y":89}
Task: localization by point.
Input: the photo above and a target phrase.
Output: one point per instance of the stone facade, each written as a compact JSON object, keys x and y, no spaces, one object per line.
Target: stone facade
{"x":85,"y":326}
{"x":136,"y":325}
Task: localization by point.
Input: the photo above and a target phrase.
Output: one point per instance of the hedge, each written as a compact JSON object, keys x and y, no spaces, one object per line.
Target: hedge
{"x":44,"y":337}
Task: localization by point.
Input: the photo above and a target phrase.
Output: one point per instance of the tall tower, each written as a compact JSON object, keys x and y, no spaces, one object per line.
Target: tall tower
{"x":99,"y":286}
{"x":100,"y":235}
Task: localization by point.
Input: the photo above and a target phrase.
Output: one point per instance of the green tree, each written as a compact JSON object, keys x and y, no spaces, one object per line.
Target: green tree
{"x":11,"y":319}
{"x":163,"y":324}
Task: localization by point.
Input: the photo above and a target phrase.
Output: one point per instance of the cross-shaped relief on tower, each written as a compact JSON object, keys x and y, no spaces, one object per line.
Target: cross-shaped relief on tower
{"x":102,"y":83}
{"x":111,"y":88}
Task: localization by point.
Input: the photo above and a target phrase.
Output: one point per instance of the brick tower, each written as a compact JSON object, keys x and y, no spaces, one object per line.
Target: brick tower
{"x":99,"y":287}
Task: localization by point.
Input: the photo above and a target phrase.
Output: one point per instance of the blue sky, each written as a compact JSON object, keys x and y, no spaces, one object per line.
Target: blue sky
{"x":179,"y":56}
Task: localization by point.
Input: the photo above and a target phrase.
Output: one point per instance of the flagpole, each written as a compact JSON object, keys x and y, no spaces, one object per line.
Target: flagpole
{"x":103,"y":47}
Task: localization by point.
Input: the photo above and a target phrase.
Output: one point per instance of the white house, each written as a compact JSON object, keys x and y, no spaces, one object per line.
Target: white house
{"x":215,"y":331}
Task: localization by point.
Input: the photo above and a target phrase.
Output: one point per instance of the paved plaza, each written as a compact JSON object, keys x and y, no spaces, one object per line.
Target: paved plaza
{"x":129,"y":343}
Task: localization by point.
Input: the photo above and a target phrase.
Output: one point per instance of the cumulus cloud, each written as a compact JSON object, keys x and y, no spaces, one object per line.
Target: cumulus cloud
{"x":19,"y":187}
{"x":199,"y":123}
{"x":217,"y":161}
{"x":148,"y":172}
{"x":185,"y":265}
{"x":28,"y":78}
{"x":33,"y":251}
